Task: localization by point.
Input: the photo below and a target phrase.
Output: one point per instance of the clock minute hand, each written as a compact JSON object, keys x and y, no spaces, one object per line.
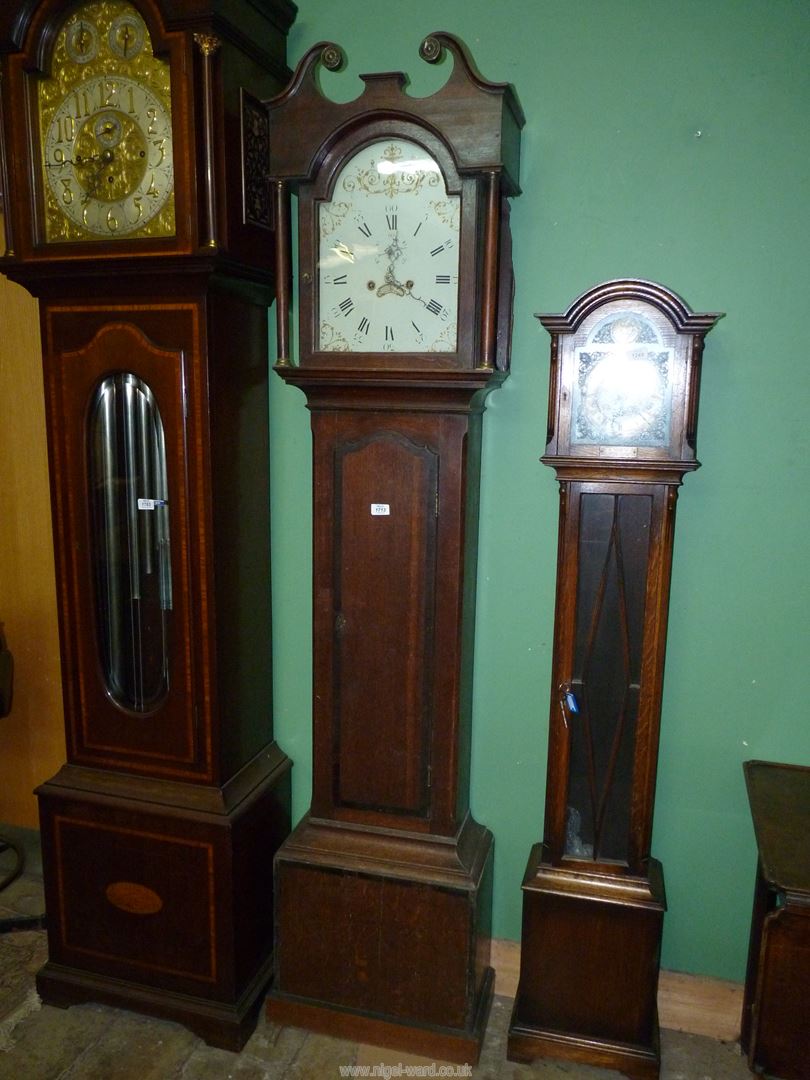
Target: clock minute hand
{"x":409,"y":292}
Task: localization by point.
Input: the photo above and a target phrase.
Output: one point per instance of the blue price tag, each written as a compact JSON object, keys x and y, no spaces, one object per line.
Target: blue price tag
{"x":571,"y":702}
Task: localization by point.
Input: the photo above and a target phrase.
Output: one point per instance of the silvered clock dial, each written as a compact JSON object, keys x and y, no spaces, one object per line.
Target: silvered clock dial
{"x":623,"y":391}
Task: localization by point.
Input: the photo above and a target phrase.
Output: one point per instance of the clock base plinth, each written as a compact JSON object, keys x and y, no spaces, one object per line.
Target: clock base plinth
{"x":589,"y":968}
{"x":528,"y":1044}
{"x":159,"y":893}
{"x":225,"y":1025}
{"x":384,"y":936}
{"x":460,"y":1047}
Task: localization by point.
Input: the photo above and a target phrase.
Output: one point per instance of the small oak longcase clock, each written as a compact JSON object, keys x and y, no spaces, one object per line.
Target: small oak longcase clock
{"x":404,"y":284}
{"x":133,"y":162}
{"x":625,"y":375}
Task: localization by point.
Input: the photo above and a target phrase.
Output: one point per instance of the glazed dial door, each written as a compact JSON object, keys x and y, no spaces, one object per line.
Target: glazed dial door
{"x":106,"y":129}
{"x":388,"y":264}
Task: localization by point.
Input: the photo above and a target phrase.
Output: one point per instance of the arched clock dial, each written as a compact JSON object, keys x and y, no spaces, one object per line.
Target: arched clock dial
{"x":106,"y":129}
{"x":389,"y":254}
{"x":623,"y":391}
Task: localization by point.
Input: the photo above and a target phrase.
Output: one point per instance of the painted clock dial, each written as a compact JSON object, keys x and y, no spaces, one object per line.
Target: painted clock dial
{"x":106,"y":129}
{"x":388,"y":258}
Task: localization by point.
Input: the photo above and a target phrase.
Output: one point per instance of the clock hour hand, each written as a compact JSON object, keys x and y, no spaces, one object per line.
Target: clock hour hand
{"x":70,"y":161}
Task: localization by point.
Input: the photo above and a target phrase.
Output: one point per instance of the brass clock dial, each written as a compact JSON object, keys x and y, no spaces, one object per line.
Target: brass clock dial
{"x":106,"y":130}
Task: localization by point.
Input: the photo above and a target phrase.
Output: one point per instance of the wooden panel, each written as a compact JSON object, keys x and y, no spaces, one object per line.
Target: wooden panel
{"x":780,"y":807}
{"x":781,"y":1041}
{"x":165,"y":908}
{"x":32,"y":737}
{"x":776,"y":1011}
{"x":593,"y":968}
{"x":385,"y":565}
{"x":389,"y":946}
{"x":98,"y":866}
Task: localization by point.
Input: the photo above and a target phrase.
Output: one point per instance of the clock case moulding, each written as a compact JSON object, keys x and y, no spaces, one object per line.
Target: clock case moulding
{"x":158,"y":833}
{"x":593,"y":897}
{"x":384,"y":889}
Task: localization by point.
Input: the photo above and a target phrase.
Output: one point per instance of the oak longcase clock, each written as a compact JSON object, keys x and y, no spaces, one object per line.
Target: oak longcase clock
{"x":623,"y":399}
{"x":133,"y":162}
{"x":404,"y":283}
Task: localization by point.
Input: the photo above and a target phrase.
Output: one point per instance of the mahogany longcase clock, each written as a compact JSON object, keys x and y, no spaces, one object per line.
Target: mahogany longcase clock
{"x":134,"y":169}
{"x":383,"y":890}
{"x":625,"y":373}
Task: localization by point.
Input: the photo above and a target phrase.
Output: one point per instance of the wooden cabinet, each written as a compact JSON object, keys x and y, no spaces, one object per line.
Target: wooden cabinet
{"x":776,"y":1006}
{"x":625,"y":377}
{"x":134,"y":187}
{"x":384,"y":889}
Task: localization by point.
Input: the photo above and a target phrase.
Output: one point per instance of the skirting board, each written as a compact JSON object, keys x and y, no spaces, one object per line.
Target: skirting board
{"x":693,"y":1003}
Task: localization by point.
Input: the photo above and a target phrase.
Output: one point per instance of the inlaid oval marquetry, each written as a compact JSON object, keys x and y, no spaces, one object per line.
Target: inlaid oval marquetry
{"x":133,"y":898}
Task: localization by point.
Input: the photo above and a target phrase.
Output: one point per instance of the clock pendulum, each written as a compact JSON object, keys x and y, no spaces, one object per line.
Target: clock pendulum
{"x":383,"y":891}
{"x":133,"y":161}
{"x":623,"y":401}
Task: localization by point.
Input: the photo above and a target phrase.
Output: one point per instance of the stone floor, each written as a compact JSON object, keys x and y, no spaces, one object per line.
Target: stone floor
{"x":92,"y":1042}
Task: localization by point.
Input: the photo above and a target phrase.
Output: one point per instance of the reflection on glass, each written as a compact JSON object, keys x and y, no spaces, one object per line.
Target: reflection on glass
{"x":606,"y":679}
{"x":131,"y":554}
{"x":623,"y":394}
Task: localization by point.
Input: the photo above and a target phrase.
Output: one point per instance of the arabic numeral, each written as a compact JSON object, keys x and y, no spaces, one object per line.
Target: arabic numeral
{"x":66,"y":126}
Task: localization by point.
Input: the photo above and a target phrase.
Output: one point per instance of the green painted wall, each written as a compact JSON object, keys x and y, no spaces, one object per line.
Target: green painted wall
{"x":671,"y":142}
